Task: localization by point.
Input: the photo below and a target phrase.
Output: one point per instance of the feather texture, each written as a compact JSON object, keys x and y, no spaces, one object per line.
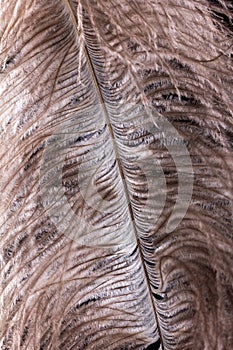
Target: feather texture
{"x":116,"y":174}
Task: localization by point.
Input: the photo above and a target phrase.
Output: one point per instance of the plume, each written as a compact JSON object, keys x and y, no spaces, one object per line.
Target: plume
{"x":116,"y":175}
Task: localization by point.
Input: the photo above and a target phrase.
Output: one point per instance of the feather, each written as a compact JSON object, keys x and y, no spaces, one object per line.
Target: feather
{"x":116,"y":174}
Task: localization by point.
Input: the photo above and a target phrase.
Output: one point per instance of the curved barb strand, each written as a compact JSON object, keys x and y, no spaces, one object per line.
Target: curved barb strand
{"x":101,"y":156}
{"x":178,"y":151}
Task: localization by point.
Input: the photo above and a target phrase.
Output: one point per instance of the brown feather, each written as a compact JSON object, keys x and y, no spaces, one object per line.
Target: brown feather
{"x":116,"y":115}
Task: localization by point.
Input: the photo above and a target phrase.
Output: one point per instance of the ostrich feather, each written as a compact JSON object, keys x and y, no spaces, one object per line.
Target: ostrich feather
{"x":116,"y":174}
